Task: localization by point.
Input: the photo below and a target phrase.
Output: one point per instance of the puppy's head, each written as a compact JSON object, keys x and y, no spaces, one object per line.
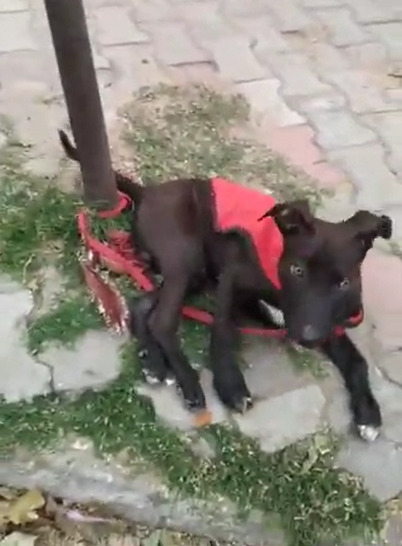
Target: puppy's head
{"x":320,"y":268}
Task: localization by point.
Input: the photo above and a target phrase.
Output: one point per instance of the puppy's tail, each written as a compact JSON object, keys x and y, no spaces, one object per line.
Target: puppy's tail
{"x":124,"y":184}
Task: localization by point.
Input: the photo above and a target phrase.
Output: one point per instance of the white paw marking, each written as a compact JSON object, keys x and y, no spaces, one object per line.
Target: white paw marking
{"x":151,"y":379}
{"x":368,"y":433}
{"x":274,"y":313}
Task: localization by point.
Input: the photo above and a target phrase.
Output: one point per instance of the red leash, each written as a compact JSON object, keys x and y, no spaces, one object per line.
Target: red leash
{"x":118,"y":256}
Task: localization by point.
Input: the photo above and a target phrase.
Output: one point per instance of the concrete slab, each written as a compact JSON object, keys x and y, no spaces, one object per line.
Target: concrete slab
{"x":91,"y":364}
{"x":23,"y":377}
{"x":283,"y":420}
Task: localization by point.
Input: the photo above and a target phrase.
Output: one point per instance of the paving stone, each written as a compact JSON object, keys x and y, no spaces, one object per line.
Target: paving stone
{"x":394,"y":69}
{"x":92,"y":364}
{"x":265,"y":38}
{"x":320,"y":103}
{"x":343,"y":30}
{"x":394,"y":95}
{"x":378,"y":463}
{"x":321,"y":3}
{"x":296,"y":75}
{"x":369,"y":11}
{"x":389,"y":34}
{"x":376,"y":185}
{"x":134,"y":67}
{"x":180,"y":50}
{"x":296,"y":145}
{"x":205,"y":22}
{"x":363,"y":97}
{"x":27,"y":107}
{"x":153,"y":10}
{"x":193,"y":11}
{"x":13,"y":5}
{"x":394,"y":6}
{"x":395,"y":211}
{"x":41,"y":35}
{"x":167,"y":396}
{"x":389,"y":397}
{"x":247,"y":9}
{"x":327,"y":57}
{"x":290,"y":17}
{"x":338,"y":414}
{"x":205,"y":73}
{"x":19,"y":69}
{"x":282,"y":420}
{"x":369,"y":55}
{"x":22,"y":376}
{"x":264,"y":99}
{"x":269,"y":370}
{"x":338,"y":129}
{"x":389,"y":127}
{"x":381,"y":282}
{"x":340,"y":205}
{"x":100,"y":61}
{"x":235,"y":60}
{"x":392,"y":428}
{"x":115,"y":27}
{"x":391,"y":366}
{"x":15,"y":32}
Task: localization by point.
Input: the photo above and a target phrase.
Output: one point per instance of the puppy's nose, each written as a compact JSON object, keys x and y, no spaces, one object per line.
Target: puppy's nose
{"x":310,"y":333}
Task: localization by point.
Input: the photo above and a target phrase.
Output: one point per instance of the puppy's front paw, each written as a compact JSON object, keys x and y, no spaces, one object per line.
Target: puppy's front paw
{"x":233,"y":392}
{"x":368,"y":433}
{"x":189,"y":386}
{"x":153,"y":365}
{"x":368,"y":418}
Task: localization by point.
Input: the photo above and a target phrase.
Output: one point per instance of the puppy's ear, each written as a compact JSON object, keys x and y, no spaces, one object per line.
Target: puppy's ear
{"x":367,"y":226}
{"x":291,"y":218}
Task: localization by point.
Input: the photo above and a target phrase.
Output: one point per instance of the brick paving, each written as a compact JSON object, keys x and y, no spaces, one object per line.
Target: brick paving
{"x":328,"y":65}
{"x":324,"y":80}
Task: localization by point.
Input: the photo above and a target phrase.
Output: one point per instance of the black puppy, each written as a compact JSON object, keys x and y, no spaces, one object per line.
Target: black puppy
{"x":306,"y":267}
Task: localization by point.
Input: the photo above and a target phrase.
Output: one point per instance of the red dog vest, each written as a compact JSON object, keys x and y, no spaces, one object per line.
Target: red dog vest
{"x":240,"y":207}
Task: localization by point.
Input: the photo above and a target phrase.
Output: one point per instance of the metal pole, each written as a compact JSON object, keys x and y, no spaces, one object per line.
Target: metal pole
{"x":77,"y":72}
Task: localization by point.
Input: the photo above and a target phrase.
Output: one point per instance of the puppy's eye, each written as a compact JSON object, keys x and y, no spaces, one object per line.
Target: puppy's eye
{"x":296,"y":270}
{"x":344,"y":284}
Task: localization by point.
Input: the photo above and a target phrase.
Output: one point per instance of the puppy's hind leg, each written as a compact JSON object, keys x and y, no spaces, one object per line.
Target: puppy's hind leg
{"x":163,"y":324}
{"x":228,"y":379}
{"x":154,"y":365}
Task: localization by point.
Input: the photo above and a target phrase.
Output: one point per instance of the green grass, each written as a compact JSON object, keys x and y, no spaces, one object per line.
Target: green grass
{"x":190,"y":131}
{"x":65,"y":324}
{"x":170,"y":132}
{"x":298,"y":483}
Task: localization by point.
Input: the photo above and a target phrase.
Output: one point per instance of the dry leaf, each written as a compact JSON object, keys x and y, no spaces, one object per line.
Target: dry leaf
{"x":202,"y":419}
{"x":22,"y":509}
